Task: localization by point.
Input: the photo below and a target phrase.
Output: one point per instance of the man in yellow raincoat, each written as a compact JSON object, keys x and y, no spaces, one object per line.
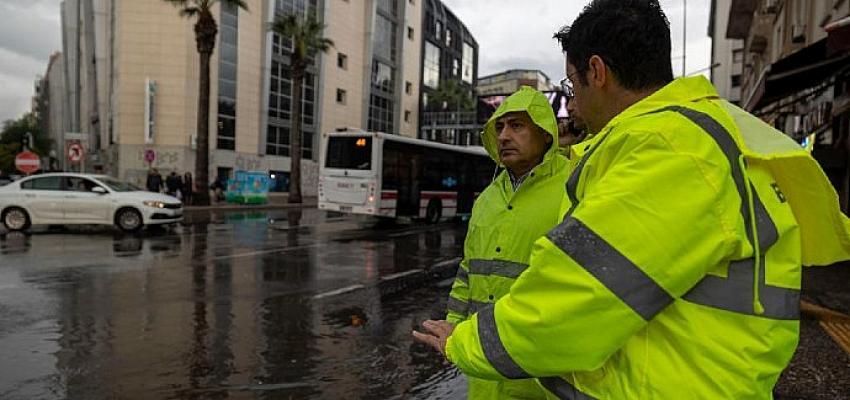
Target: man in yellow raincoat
{"x":518,"y":207}
{"x":675,"y":273}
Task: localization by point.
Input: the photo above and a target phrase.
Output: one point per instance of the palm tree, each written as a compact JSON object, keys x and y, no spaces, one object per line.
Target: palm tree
{"x":307,"y":40}
{"x":205,"y":31}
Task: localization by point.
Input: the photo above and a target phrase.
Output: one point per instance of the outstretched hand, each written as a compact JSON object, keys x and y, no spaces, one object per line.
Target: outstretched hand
{"x":438,"y":333}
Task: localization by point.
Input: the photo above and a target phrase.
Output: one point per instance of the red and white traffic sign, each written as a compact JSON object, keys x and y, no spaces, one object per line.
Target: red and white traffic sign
{"x":75,"y":152}
{"x":27,"y":162}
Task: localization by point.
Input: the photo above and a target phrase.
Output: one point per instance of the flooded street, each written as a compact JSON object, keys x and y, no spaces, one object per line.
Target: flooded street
{"x":279,"y":304}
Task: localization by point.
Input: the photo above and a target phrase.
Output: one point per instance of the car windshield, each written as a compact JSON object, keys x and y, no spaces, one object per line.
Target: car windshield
{"x":119,"y":186}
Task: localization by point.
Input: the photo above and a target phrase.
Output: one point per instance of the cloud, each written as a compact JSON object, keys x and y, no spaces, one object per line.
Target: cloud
{"x":513,"y":34}
{"x":29,"y":32}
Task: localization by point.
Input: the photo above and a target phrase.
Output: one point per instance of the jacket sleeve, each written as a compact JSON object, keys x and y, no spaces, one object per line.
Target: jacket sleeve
{"x":651,"y":222}
{"x":457,"y":307}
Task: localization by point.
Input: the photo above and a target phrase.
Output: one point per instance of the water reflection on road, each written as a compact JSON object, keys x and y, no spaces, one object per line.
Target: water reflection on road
{"x":248,"y":305}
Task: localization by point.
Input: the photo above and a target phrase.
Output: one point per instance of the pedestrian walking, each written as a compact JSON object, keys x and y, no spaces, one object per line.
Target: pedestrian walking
{"x":154,"y":181}
{"x":676,"y":270}
{"x":188,"y":189}
{"x":518,"y":207}
{"x":174,"y":184}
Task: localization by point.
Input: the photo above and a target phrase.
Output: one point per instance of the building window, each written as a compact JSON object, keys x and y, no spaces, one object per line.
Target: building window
{"x":407,"y":116}
{"x":736,"y":80}
{"x":342,"y":61}
{"x":738,"y":56}
{"x":277,"y":142}
{"x":385,"y":36}
{"x":340,"y":96}
{"x":381,"y":114}
{"x":410,"y":33}
{"x":431,"y":75}
{"x":468,"y":62}
{"x":227,"y":64}
{"x":382,"y":77}
{"x":455,"y":67}
{"x":449,"y":38}
{"x":438,"y":30}
{"x":408,"y":87}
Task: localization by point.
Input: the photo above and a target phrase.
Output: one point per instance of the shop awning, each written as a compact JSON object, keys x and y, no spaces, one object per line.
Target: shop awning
{"x":808,"y":68}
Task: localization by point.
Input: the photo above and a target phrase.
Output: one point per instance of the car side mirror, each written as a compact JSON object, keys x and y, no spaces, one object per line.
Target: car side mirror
{"x":98,"y":190}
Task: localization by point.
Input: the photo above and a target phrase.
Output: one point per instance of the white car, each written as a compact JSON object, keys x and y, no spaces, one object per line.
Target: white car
{"x":70,"y":199}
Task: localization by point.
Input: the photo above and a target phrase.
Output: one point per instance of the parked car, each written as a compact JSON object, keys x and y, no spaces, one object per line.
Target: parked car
{"x":82,"y":199}
{"x":5,"y":180}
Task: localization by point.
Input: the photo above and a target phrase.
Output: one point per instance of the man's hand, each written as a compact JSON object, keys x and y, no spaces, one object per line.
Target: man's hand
{"x":438,"y":332}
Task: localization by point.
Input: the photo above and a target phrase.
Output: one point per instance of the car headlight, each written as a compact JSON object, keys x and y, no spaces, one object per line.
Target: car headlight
{"x":154,"y":204}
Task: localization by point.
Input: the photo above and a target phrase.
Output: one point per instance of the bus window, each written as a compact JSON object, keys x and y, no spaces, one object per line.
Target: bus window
{"x":390,"y":174}
{"x":349,"y":153}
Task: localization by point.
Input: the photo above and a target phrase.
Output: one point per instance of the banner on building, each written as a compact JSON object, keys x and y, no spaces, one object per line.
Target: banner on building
{"x":150,"y":110}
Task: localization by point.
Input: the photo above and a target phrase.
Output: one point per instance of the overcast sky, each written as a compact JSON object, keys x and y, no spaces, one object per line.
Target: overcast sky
{"x":510,"y":34}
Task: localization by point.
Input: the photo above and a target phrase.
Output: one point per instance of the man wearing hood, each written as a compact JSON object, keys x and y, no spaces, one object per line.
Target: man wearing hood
{"x":518,"y":207}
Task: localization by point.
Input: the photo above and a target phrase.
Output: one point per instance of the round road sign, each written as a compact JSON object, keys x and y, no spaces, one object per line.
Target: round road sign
{"x":75,"y":152}
{"x":27,"y":162}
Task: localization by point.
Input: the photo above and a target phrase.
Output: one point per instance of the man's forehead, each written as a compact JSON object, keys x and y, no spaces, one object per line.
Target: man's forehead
{"x":514,"y":115}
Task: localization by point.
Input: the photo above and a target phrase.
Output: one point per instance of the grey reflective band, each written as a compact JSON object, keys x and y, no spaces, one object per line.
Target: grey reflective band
{"x":735,"y":293}
{"x":493,"y":347}
{"x":476,"y":306}
{"x":572,"y":183}
{"x":462,"y":275}
{"x":507,"y":269}
{"x":563,"y":389}
{"x":622,"y":277}
{"x":457,"y":306}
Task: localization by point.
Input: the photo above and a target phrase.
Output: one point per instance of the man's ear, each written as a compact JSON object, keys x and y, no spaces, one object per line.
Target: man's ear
{"x":598,"y":71}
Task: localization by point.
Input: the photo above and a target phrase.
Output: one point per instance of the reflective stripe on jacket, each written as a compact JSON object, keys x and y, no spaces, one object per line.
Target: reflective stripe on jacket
{"x":676,"y":270}
{"x":504,"y":225}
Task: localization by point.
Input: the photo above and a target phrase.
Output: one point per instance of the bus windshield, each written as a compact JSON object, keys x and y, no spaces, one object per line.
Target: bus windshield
{"x":349,"y":153}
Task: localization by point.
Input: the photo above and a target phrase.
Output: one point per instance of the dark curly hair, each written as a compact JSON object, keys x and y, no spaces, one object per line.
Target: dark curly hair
{"x":631,"y":36}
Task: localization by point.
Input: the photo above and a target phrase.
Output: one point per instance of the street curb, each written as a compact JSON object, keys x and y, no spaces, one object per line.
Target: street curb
{"x":247,"y":207}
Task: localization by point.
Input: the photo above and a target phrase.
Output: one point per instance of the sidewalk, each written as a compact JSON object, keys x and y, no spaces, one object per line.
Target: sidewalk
{"x":277,"y":201}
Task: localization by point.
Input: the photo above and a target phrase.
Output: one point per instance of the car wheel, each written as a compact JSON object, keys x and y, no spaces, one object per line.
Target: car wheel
{"x":434,"y":211}
{"x":16,"y":219}
{"x":128,"y":220}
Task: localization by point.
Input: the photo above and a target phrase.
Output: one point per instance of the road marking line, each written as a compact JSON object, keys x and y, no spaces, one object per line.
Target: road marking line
{"x":401,"y":274}
{"x":338,"y":292}
{"x":834,"y":323}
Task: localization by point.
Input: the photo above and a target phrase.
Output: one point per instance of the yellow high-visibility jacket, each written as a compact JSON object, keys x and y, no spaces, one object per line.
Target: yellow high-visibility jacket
{"x":675,"y":273}
{"x":504,"y":225}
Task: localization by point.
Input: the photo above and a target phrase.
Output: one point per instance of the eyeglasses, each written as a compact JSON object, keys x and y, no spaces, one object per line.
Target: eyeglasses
{"x":567,"y":85}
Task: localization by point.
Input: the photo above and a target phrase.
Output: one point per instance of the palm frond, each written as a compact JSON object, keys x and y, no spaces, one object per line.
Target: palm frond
{"x":189,"y":12}
{"x":305,"y":33}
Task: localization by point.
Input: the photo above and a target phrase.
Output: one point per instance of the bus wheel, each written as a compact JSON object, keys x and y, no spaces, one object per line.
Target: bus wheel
{"x":434,"y":211}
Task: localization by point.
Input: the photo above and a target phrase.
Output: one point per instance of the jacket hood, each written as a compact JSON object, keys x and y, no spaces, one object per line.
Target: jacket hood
{"x":538,"y":108}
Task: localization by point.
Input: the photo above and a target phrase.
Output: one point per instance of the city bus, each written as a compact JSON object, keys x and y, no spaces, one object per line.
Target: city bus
{"x":393,"y":176}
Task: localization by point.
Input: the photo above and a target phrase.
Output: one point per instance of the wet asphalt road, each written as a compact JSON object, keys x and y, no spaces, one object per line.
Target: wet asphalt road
{"x":228,"y":305}
{"x":267,"y":305}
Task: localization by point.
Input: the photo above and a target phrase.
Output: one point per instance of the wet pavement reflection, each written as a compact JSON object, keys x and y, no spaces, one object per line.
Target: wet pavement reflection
{"x":254,"y":305}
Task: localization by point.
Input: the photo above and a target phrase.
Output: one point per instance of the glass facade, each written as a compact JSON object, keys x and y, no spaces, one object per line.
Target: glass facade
{"x":385,"y":67}
{"x":431,"y":66}
{"x":227,"y":70}
{"x":279,"y":125}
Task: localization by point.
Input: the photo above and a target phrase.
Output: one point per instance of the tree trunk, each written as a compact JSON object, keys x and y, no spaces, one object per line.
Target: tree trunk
{"x":295,"y":134}
{"x":205,"y":31}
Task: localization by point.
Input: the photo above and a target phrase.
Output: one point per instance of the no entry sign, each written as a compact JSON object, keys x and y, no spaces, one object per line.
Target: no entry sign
{"x":27,"y":162}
